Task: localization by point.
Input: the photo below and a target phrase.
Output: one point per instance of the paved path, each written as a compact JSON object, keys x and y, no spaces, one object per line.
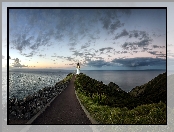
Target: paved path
{"x":65,"y":109}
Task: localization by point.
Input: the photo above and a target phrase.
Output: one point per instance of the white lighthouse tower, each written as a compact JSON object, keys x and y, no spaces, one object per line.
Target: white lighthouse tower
{"x":78,"y":68}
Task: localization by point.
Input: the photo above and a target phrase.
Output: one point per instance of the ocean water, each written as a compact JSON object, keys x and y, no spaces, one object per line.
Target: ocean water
{"x":126,"y":80}
{"x":25,"y":82}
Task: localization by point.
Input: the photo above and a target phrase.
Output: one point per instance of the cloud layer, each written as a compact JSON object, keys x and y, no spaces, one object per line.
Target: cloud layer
{"x":95,"y":37}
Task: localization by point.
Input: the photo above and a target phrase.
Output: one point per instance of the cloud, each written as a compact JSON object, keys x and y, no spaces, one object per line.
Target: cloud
{"x":85,"y":46}
{"x":100,"y":58}
{"x":98,"y":63}
{"x":72,"y":43}
{"x":89,"y":54}
{"x":156,"y":46}
{"x":153,"y":52}
{"x":140,"y":61}
{"x":114,"y":26}
{"x":20,"y":42}
{"x":76,"y":53}
{"x":17,"y":63}
{"x":158,"y":54}
{"x":110,"y":19}
{"x":135,"y":45}
{"x":71,"y":48}
{"x":40,"y":27}
{"x":40,"y":55}
{"x":30,"y":55}
{"x":106,"y":48}
{"x":69,"y":58}
{"x":122,"y":34}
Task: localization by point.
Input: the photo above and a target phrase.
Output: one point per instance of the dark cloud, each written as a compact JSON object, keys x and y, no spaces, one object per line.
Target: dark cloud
{"x":106,"y":22}
{"x":153,"y":52}
{"x":40,"y":55}
{"x":139,"y":34}
{"x":156,"y":46}
{"x":122,"y":34}
{"x":143,"y":40}
{"x":89,"y":54}
{"x":110,"y":20}
{"x":156,"y":35}
{"x":30,"y":55}
{"x":76,"y":53}
{"x":98,"y":63}
{"x":85,"y":46}
{"x":141,"y":61}
{"x":59,"y":36}
{"x":114,"y":26}
{"x":69,"y":58}
{"x":135,"y":45}
{"x":106,"y":48}
{"x":157,"y":54}
{"x":100,"y":58}
{"x":41,"y":26}
{"x":21,"y":42}
{"x":93,"y":37}
{"x":135,"y":51}
{"x":71,"y":48}
{"x":72,"y":43}
{"x":123,"y":52}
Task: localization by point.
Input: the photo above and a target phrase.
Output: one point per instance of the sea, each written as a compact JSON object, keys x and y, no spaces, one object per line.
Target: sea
{"x":23,"y":82}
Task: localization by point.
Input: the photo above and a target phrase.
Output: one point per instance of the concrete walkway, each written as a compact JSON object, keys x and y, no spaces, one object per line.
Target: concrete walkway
{"x":65,"y":109}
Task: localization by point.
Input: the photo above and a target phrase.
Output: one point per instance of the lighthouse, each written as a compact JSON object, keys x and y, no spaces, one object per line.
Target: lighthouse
{"x":78,"y":68}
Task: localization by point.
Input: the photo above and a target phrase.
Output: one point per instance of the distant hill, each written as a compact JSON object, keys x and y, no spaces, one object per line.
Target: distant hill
{"x":152,"y":92}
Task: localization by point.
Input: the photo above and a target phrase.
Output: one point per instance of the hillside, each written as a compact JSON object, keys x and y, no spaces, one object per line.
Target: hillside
{"x":152,"y":92}
{"x":109,"y":104}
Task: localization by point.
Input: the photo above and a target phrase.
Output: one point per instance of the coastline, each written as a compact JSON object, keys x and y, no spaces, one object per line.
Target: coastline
{"x":27,"y":110}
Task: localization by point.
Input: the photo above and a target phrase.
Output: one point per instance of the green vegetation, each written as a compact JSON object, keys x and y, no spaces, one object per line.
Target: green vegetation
{"x":153,"y":91}
{"x":145,"y":114}
{"x":108,"y":104}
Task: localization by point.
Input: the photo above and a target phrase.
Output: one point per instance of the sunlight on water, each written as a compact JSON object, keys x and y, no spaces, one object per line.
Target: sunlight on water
{"x":23,"y":84}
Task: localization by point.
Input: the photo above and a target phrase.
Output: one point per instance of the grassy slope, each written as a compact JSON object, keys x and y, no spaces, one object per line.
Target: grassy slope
{"x":144,"y":114}
{"x":119,"y":107}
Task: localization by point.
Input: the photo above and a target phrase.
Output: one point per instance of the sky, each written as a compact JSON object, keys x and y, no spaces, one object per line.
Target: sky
{"x":100,"y":39}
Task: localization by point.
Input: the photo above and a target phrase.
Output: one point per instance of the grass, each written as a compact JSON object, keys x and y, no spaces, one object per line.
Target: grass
{"x":144,"y":114}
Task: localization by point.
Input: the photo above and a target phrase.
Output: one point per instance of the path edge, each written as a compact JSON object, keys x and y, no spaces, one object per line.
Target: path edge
{"x":93,"y":121}
{"x":40,"y":112}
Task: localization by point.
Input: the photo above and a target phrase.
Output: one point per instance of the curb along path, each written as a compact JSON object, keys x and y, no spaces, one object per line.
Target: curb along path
{"x":65,"y":109}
